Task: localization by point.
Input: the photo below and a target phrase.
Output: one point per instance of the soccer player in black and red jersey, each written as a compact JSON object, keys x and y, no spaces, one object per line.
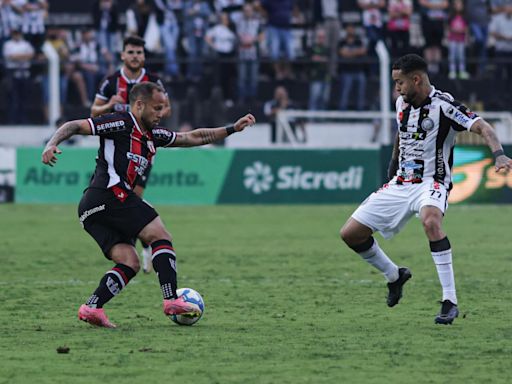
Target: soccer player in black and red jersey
{"x":112,"y":213}
{"x":113,"y":94}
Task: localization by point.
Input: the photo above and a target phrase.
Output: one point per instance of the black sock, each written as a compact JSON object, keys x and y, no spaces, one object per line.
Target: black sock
{"x":144,"y":245}
{"x":110,"y":285}
{"x":164,"y":264}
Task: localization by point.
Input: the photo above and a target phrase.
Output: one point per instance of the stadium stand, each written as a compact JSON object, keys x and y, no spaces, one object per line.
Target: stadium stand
{"x":71,"y":19}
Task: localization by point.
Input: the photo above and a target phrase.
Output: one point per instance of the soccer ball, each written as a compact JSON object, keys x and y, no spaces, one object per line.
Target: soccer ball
{"x":190,"y":296}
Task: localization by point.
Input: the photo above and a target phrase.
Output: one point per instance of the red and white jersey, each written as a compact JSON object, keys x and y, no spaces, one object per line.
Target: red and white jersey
{"x":125,"y":150}
{"x":118,"y":83}
{"x":427,"y":137}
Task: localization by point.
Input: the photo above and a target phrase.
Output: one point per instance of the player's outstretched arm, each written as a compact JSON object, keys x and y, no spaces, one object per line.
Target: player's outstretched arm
{"x":202,"y":136}
{"x":74,"y":127}
{"x":484,"y":129}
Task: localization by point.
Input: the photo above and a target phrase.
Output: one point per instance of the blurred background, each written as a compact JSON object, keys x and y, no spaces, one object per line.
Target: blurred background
{"x":315,"y":73}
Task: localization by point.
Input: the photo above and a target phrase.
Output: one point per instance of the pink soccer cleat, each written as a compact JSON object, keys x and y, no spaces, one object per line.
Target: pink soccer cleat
{"x":180,"y":307}
{"x":94,"y":316}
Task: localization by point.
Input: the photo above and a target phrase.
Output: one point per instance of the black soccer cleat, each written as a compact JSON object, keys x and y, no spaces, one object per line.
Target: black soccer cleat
{"x":395,"y":288}
{"x":449,"y":312}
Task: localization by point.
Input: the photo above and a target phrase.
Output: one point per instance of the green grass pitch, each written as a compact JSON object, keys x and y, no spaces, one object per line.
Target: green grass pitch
{"x":286,"y":302}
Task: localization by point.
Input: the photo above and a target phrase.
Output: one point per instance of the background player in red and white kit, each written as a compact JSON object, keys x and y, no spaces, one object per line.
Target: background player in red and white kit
{"x":111,"y":212}
{"x":113,"y":94}
{"x":428,"y":121}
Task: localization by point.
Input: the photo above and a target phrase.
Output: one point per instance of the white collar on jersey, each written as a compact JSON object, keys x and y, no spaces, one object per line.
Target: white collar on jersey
{"x":133,"y":81}
{"x":136,"y":124}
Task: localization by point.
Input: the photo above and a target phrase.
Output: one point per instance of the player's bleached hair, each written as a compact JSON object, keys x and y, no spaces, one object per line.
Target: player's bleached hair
{"x":409,"y":63}
{"x":144,"y":91}
{"x":134,"y":40}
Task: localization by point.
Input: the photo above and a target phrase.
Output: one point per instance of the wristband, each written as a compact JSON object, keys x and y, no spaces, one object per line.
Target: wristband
{"x":230,"y":129}
{"x":498,"y":153}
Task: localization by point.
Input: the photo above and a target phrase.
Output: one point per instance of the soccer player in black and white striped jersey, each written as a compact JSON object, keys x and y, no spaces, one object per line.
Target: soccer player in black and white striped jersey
{"x":420,"y":180}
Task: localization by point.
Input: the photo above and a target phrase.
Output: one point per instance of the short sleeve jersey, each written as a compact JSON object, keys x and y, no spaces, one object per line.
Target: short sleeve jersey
{"x":427,"y":137}
{"x":118,"y":83}
{"x":125,"y":150}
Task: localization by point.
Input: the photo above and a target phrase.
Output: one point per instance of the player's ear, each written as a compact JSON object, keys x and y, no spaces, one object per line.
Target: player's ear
{"x":416,"y":78}
{"x":139,"y":104}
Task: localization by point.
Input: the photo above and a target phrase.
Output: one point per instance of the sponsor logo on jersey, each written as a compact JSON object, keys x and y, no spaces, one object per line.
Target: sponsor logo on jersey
{"x":440,"y":163}
{"x":90,"y":212}
{"x":141,"y":163}
{"x":461,"y":118}
{"x":412,"y":165}
{"x":163,"y":133}
{"x":413,"y":135}
{"x":110,"y":126}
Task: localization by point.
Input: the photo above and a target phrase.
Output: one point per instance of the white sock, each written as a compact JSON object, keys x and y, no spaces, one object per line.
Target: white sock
{"x":443,"y":262}
{"x":376,"y":257}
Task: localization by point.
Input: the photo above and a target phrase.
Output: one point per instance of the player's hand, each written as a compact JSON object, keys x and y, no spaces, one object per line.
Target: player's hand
{"x":116,"y":99}
{"x":49,"y":157}
{"x":503,"y":163}
{"x":243,"y":122}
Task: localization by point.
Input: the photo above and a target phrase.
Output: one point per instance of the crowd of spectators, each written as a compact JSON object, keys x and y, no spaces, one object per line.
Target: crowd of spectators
{"x":235,"y":46}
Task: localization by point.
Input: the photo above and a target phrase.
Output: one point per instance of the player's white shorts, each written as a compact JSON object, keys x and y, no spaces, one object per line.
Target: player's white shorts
{"x":388,"y":209}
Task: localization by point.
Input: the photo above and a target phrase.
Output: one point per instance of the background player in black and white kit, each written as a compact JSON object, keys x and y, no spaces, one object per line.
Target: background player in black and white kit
{"x":111,"y":212}
{"x":420,"y":180}
{"x":113,"y":94}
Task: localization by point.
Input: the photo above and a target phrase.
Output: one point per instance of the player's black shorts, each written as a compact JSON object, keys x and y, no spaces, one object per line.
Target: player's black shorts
{"x":113,"y":216}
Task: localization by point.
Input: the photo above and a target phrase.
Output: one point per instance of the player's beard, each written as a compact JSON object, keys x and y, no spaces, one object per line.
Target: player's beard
{"x":135,"y":68}
{"x":149,"y":124}
{"x":409,"y":97}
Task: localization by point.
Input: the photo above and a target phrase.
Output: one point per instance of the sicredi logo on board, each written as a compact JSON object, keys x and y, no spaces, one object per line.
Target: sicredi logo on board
{"x":260,"y":177}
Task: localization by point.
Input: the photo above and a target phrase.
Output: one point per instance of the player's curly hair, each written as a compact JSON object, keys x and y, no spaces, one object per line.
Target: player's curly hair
{"x":409,"y":63}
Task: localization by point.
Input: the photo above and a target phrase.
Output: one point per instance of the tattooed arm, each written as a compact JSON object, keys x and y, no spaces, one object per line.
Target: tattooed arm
{"x":75,"y":127}
{"x":484,"y":129}
{"x":204,"y":136}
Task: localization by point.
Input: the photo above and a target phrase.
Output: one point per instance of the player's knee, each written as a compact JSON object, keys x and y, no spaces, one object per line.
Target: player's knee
{"x":348,"y":236}
{"x":431,"y":225}
{"x":344,"y":234}
{"x":159,"y":236}
{"x":158,"y":233}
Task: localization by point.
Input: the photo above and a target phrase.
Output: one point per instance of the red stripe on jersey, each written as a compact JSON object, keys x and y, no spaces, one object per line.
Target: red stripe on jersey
{"x":153,"y":250}
{"x":125,"y":278}
{"x":136,"y":149}
{"x":122,"y":88}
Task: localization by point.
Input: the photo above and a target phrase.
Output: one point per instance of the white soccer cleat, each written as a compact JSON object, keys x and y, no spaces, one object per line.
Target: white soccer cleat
{"x":147,"y":265}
